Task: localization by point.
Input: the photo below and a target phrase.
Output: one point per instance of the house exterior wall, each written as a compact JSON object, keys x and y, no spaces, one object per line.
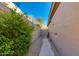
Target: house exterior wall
{"x":64,"y":28}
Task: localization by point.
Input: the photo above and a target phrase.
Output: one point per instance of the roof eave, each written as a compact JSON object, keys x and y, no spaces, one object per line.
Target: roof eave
{"x":52,"y":11}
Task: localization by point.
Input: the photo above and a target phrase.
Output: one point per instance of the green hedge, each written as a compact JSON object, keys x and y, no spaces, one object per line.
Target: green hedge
{"x":15,"y":34}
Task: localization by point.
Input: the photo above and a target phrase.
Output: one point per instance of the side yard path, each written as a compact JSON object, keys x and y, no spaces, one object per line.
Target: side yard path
{"x":46,"y":49}
{"x":41,"y":46}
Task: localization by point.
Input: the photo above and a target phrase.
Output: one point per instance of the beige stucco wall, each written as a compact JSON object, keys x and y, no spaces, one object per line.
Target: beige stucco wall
{"x":66,"y":24}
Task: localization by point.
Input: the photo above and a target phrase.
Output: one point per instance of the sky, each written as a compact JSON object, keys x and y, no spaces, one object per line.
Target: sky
{"x":36,"y":9}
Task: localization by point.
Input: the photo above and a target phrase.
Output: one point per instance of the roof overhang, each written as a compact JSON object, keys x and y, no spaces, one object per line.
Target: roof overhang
{"x":53,"y":9}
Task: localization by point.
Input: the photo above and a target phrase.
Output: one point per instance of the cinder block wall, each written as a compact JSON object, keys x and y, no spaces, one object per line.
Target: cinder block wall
{"x":64,"y":28}
{"x":35,"y":33}
{"x":4,"y":8}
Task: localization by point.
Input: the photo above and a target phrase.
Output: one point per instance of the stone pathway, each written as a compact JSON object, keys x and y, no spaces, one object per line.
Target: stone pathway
{"x":46,"y":48}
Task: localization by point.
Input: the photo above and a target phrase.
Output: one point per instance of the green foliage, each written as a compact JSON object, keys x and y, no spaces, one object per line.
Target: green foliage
{"x":39,"y":25}
{"x":40,"y":20}
{"x":15,"y":34}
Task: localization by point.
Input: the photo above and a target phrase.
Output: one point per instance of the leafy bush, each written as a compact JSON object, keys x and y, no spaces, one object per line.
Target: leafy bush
{"x":15,"y":34}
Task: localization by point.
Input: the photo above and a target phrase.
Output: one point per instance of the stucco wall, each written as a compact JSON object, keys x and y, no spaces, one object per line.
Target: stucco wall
{"x":64,"y":28}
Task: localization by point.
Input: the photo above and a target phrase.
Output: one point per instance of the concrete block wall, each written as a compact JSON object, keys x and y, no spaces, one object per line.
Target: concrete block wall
{"x":35,"y":33}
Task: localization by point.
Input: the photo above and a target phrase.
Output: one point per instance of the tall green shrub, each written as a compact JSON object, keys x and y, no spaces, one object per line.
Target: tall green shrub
{"x":15,"y":34}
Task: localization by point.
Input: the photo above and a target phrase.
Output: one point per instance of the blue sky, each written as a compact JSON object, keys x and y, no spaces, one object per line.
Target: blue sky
{"x":36,"y":9}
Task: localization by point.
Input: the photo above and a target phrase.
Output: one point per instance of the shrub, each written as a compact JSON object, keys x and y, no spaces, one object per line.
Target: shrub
{"x":15,"y":34}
